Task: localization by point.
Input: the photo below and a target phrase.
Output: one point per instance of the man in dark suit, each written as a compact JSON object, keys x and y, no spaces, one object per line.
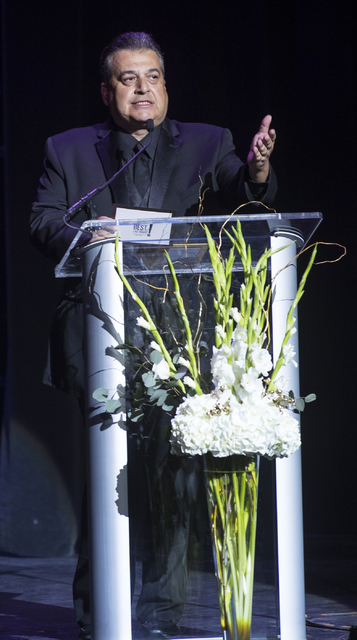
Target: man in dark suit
{"x":178,"y":160}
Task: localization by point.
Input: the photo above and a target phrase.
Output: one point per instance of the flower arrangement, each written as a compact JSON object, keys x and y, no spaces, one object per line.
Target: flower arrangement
{"x":246,"y":407}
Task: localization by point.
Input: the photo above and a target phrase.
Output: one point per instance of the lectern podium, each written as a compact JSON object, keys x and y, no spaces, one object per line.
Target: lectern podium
{"x":143,"y":258}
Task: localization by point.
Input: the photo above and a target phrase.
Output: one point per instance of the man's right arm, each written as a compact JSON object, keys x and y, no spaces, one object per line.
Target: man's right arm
{"x":48,"y":232}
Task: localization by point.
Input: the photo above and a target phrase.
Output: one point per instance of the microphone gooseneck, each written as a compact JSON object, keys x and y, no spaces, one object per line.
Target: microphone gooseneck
{"x":73,"y":210}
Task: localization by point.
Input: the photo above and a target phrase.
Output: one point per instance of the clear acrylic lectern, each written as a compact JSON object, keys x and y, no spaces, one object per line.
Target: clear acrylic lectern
{"x":109,"y":320}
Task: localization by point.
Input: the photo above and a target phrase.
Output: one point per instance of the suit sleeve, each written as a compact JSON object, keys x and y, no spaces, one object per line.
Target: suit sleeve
{"x":48,"y":232}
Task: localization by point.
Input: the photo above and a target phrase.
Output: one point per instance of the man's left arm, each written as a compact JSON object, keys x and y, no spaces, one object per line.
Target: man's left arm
{"x":260,"y":151}
{"x":254,"y":180}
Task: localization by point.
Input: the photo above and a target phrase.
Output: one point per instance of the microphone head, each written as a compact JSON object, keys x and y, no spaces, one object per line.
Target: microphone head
{"x":150,"y":125}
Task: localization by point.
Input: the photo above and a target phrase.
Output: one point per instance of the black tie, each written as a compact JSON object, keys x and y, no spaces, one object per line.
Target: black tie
{"x":142,"y":173}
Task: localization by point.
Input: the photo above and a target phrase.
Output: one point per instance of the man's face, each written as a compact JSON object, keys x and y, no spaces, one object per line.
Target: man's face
{"x":136,"y":90}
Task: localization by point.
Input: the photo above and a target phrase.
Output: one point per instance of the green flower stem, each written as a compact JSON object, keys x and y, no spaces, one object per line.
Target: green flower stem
{"x":227,"y":572}
{"x":188,"y":335}
{"x":222,"y":277}
{"x":290,"y":318}
{"x":233,"y":503}
{"x":153,"y":329}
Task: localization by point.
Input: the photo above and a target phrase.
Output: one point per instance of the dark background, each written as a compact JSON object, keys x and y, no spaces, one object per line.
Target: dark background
{"x":228,"y":64}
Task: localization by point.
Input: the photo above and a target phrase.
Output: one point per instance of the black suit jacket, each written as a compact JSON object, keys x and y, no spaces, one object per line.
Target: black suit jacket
{"x":79,"y":160}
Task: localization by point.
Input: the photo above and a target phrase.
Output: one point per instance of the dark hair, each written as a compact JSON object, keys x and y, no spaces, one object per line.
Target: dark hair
{"x":136,"y":41}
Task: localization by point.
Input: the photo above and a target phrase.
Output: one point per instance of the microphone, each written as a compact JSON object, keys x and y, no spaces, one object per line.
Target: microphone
{"x":73,"y":210}
{"x":150,"y":127}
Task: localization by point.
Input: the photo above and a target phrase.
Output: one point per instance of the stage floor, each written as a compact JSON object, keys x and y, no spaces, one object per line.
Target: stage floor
{"x":36,"y":597}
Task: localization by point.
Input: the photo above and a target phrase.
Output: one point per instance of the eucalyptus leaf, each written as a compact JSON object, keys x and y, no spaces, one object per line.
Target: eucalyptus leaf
{"x":157,"y":395}
{"x":300,"y":404}
{"x":156,"y":356}
{"x":112,"y":405}
{"x":161,"y":399}
{"x":177,"y":356}
{"x":167,"y":407}
{"x":135,"y":415}
{"x":149,"y":380}
{"x":139,"y":393}
{"x":311,"y":397}
{"x":180,"y":373}
{"x":100,"y":394}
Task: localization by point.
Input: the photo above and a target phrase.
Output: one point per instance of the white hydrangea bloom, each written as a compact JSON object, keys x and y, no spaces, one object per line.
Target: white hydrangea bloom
{"x":219,"y":423}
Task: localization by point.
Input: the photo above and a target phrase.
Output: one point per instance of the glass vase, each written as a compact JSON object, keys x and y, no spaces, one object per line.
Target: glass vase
{"x":232,"y":492}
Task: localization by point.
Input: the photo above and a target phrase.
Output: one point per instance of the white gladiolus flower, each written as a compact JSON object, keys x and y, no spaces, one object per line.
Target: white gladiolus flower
{"x":220,"y":331}
{"x":161,"y":370}
{"x":154,"y":345}
{"x":189,"y":382}
{"x":235,"y":314}
{"x":289,"y":353}
{"x":250,"y":381}
{"x":281,"y":383}
{"x":239,"y":347}
{"x":183,"y":362}
{"x":222,"y":371}
{"x":143,"y":323}
{"x":261,"y":359}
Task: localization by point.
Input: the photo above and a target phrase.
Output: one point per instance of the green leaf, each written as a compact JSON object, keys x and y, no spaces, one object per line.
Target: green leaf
{"x":311,"y":397}
{"x":112,"y":406}
{"x":130,"y":347}
{"x":100,"y":394}
{"x":171,"y":383}
{"x":204,"y":349}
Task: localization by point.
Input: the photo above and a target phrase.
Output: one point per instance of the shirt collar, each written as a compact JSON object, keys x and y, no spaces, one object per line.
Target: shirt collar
{"x":127,"y":142}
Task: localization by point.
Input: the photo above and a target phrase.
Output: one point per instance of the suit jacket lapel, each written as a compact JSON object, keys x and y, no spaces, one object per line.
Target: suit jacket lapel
{"x":104,"y":150}
{"x":165,"y":159}
{"x":107,"y":151}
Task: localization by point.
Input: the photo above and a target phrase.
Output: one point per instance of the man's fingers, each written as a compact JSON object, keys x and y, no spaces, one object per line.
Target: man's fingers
{"x":265,"y":124}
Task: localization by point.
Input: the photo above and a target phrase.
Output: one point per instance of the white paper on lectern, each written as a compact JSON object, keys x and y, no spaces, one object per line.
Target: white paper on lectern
{"x":144,"y":231}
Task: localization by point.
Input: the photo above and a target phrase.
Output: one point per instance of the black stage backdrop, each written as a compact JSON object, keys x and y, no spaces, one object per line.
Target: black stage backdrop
{"x":227,"y":64}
